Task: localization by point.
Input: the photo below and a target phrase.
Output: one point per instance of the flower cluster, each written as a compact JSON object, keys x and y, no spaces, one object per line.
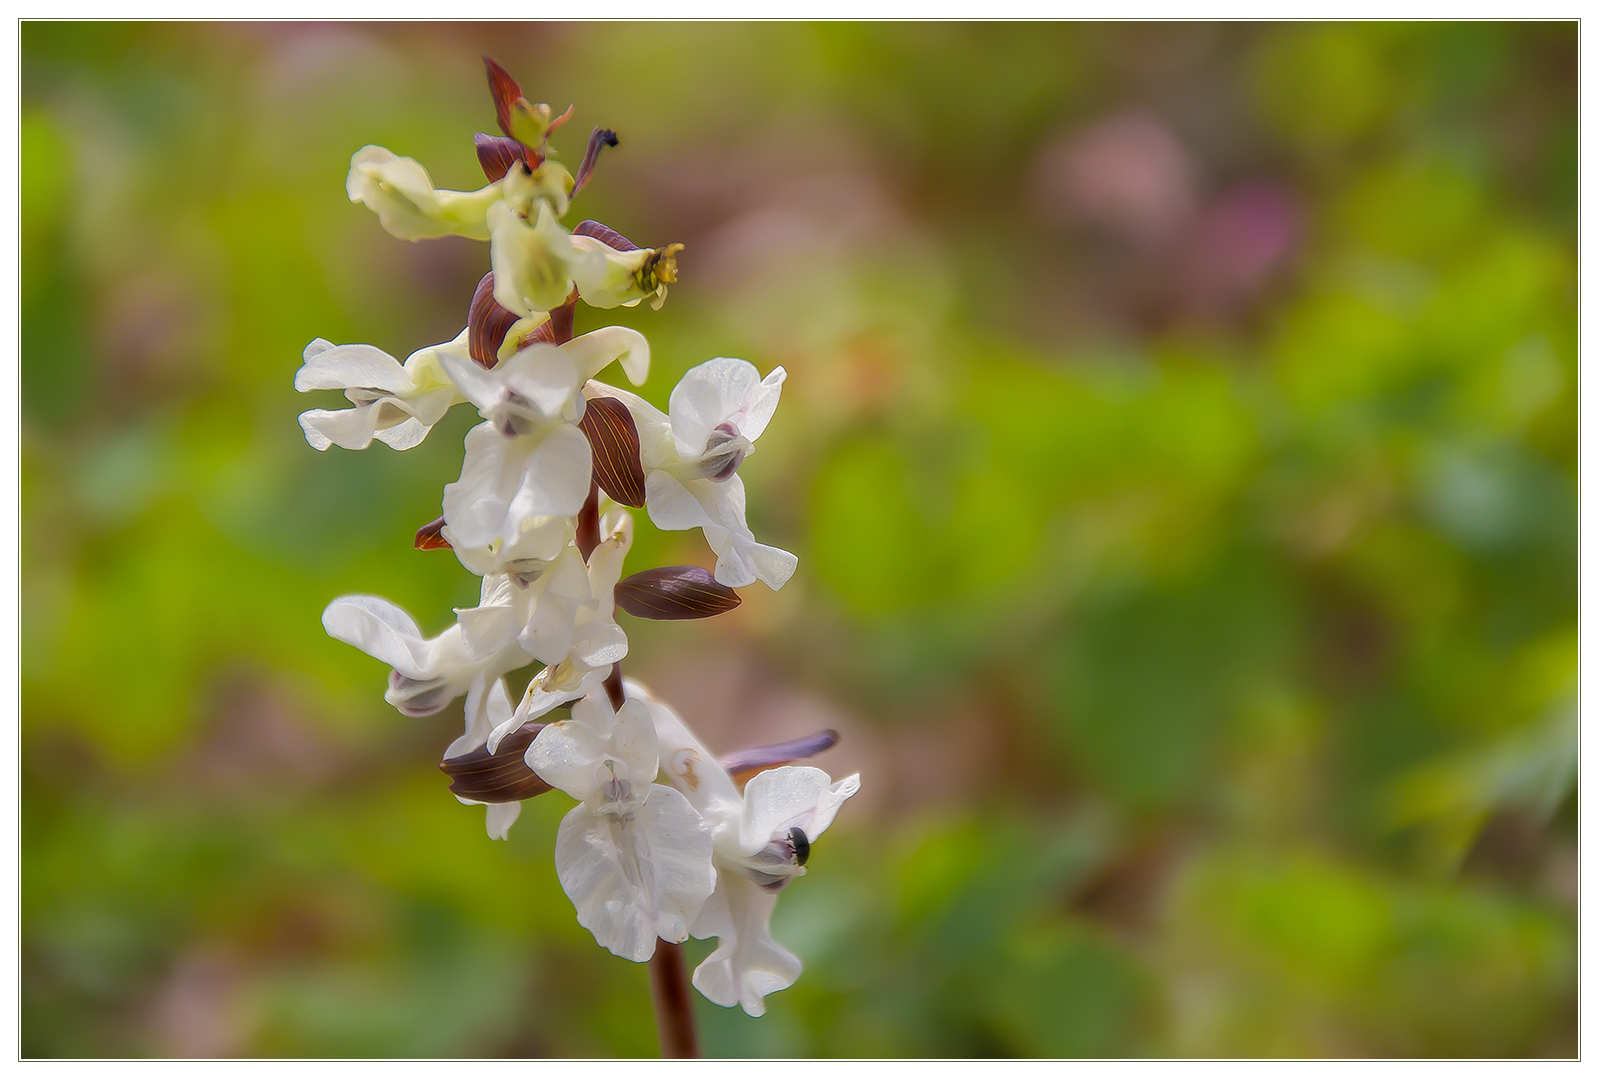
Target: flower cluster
{"x":664,"y":843}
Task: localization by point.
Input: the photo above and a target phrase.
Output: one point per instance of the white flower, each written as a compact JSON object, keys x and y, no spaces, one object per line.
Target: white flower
{"x":394,"y":404}
{"x":597,"y":641}
{"x":535,"y":262}
{"x":761,"y":841}
{"x":400,"y":191}
{"x":429,"y":673}
{"x":691,"y":459}
{"x":538,"y":386}
{"x":634,"y":857}
{"x":538,"y":610}
{"x":507,"y":484}
{"x":530,"y":461}
{"x":623,"y":278}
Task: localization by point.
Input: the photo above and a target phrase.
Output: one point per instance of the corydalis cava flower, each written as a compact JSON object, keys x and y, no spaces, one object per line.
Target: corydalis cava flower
{"x":662,"y":842}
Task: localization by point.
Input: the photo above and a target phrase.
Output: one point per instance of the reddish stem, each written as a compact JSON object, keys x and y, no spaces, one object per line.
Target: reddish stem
{"x":674,"y":1007}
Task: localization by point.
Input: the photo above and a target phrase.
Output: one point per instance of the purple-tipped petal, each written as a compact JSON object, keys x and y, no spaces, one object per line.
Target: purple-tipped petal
{"x":599,"y":138}
{"x":768,"y":757}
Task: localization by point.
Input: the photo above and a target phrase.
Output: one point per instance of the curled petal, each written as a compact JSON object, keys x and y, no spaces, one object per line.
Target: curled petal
{"x":795,"y":796}
{"x":748,"y":963}
{"x":597,"y":140}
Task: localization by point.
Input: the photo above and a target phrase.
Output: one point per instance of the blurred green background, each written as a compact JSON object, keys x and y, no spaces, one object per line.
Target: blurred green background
{"x":1179,"y":445}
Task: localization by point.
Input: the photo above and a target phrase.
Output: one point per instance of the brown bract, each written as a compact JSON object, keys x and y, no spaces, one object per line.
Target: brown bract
{"x":500,"y":777}
{"x":674,"y":592}
{"x":614,"y":438}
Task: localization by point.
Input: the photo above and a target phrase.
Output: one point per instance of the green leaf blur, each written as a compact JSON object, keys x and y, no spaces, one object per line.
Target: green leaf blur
{"x":1179,"y":445}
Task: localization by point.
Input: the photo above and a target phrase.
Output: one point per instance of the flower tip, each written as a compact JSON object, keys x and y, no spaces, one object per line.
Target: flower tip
{"x":666,"y":264}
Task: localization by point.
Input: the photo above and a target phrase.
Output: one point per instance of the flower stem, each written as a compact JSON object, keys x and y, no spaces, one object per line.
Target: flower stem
{"x":674,"y":1007}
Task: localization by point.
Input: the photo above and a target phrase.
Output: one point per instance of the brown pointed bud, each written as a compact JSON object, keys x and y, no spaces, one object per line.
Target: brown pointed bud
{"x":486,"y":324}
{"x":613,"y":686}
{"x":430,"y":537}
{"x":605,"y":235}
{"x":744,"y":763}
{"x":499,"y":777}
{"x":613,"y":436}
{"x":506,"y":92}
{"x":674,"y":592}
{"x":497,"y":153}
{"x":588,"y":522}
{"x":599,"y":139}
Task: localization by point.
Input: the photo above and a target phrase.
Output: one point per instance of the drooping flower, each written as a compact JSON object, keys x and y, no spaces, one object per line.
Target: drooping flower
{"x":691,"y":458}
{"x":394,"y":404}
{"x":400,"y":192}
{"x":633,"y":856}
{"x":761,"y":840}
{"x":624,"y":273}
{"x":429,"y":673}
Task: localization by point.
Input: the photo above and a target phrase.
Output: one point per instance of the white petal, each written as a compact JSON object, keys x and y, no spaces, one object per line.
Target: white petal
{"x":708,"y":395}
{"x":686,"y":761}
{"x":599,"y":644}
{"x":772,"y":565}
{"x":381,"y":630}
{"x":555,"y":478}
{"x":404,"y":435}
{"x":483,"y":712}
{"x":567,"y":755}
{"x":342,"y":367}
{"x":543,"y":374}
{"x":350,"y":428}
{"x":475,"y":382}
{"x":794,"y":796}
{"x":500,"y":818}
{"x":563,"y":589}
{"x":671,"y":505}
{"x":633,"y":881}
{"x":759,"y":405}
{"x":592,"y":352}
{"x":633,"y":741}
{"x":747,"y":964}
